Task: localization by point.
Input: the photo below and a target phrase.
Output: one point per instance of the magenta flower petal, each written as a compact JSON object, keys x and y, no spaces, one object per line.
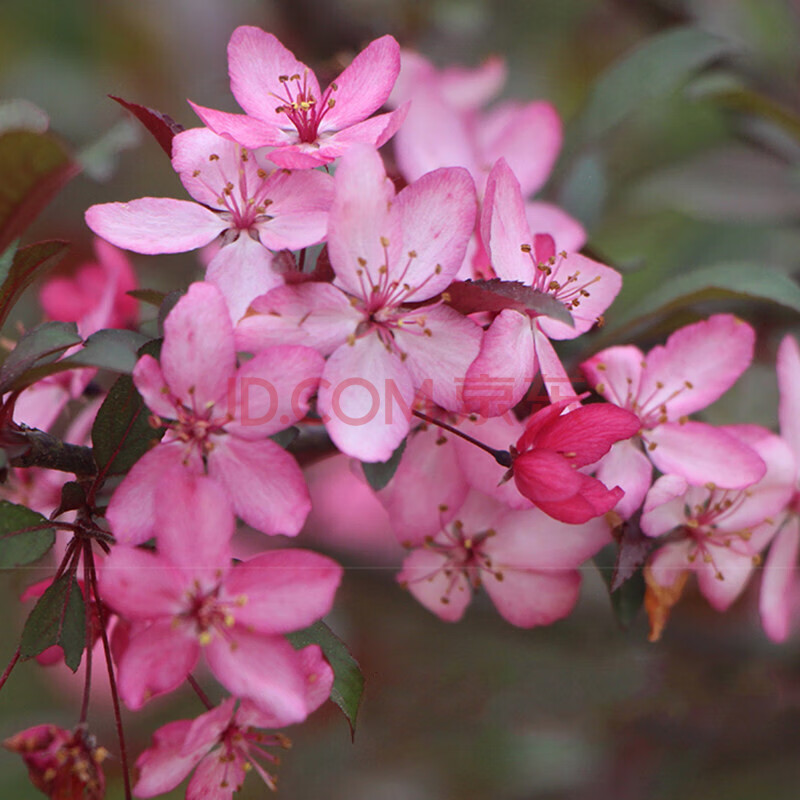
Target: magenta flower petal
{"x":365,"y":397}
{"x":164,"y":764}
{"x":567,"y":232}
{"x":505,"y":367}
{"x":698,"y":364}
{"x":365,"y":85}
{"x":152,"y":386}
{"x":445,"y":592}
{"x":439,"y":345}
{"x":789,"y":386}
{"x":156,"y":661}
{"x":779,"y":582}
{"x":527,"y":599}
{"x":244,"y":130}
{"x":198,"y":356}
{"x":591,"y":500}
{"x":273,"y":390}
{"x":155,"y":224}
{"x":263,"y":482}
{"x":266,"y":670}
{"x":626,"y":466}
{"x":256,"y":62}
{"x":546,"y":475}
{"x":702,"y":453}
{"x":283,"y":590}
{"x":242,"y":270}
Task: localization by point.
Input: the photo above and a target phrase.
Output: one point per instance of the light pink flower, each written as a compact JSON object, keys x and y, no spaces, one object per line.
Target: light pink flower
{"x":219,"y":419}
{"x":526,"y":562}
{"x":187,"y":598}
{"x":719,"y":533}
{"x":223,"y":745}
{"x":242,"y":202}
{"x":390,"y":254}
{"x":446,"y":127}
{"x":516,"y":345}
{"x":780,"y":589}
{"x":286,"y":110}
{"x":697,"y":365}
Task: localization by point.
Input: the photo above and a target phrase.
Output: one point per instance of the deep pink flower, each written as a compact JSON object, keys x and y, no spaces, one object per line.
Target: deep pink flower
{"x":526,"y":562}
{"x":187,"y":598}
{"x":219,"y":419}
{"x":243,"y":203}
{"x":224,"y":744}
{"x":390,"y":254}
{"x":286,"y":110}
{"x":553,"y":448}
{"x":62,"y":764}
{"x":719,"y":533}
{"x":698,"y":364}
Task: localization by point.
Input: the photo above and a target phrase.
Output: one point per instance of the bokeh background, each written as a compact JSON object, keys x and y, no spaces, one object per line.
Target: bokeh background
{"x":687,"y":181}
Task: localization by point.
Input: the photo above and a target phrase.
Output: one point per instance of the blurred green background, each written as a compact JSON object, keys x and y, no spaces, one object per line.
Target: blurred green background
{"x":687,"y":180}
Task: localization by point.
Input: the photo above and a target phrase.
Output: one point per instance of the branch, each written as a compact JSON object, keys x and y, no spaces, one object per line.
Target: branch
{"x":28,"y":447}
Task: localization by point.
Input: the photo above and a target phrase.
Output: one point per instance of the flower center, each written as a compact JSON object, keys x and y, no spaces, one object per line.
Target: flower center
{"x":301,"y":108}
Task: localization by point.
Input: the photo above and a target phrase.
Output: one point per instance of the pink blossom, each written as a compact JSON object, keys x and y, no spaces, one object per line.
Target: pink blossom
{"x":719,"y":533}
{"x":242,"y":202}
{"x":187,"y":598}
{"x":224,"y":744}
{"x":526,"y":562}
{"x":698,"y":364}
{"x":516,"y":345}
{"x":554,"y":446}
{"x":780,"y":588}
{"x":447,"y":127}
{"x":390,"y":255}
{"x":286,"y":110}
{"x":219,"y":419}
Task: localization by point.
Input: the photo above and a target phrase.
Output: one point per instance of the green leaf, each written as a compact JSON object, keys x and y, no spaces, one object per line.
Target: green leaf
{"x":348,"y":681}
{"x":655,"y":68}
{"x":28,"y":263}
{"x":716,"y":282}
{"x":378,"y":474}
{"x":42,"y":344}
{"x":25,"y":535}
{"x":7,"y":260}
{"x":584,"y":189}
{"x":59,"y":618}
{"x":122,"y":433}
{"x":110,"y":349}
{"x":285,"y":437}
{"x":150,"y":296}
{"x":73,"y":497}
{"x":33,"y":167}
{"x":628,"y":598}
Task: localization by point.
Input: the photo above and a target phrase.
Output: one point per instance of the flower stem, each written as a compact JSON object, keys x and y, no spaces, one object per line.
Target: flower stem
{"x":502,"y":457}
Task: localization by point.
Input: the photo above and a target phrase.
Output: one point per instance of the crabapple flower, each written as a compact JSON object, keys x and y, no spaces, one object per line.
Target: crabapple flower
{"x":286,"y":110}
{"x":390,"y":255}
{"x":697,"y":365}
{"x":526,"y":562}
{"x":554,"y":446}
{"x":219,"y":419}
{"x":779,"y":586}
{"x":716,"y":533}
{"x":62,"y":764}
{"x":187,"y":598}
{"x":223,"y":745}
{"x":241,"y":201}
{"x":516,"y":344}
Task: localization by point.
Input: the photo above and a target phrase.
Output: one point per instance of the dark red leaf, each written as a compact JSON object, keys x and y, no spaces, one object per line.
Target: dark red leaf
{"x":633,"y":549}
{"x":162,"y":126}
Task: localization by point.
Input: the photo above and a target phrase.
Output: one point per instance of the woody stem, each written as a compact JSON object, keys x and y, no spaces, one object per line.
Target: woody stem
{"x":502,"y":457}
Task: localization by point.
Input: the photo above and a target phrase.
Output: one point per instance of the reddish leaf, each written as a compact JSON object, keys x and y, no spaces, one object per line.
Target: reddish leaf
{"x":33,"y":167}
{"x":323,"y":271}
{"x":497,"y":295}
{"x":28,"y":263}
{"x":633,"y":547}
{"x":162,"y":126}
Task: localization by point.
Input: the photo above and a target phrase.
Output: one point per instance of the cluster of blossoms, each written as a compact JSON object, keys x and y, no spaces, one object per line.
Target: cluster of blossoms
{"x":413,"y":342}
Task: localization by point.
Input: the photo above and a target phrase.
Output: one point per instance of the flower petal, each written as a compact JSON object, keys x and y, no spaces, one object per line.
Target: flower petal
{"x":530,"y":598}
{"x":567,"y":232}
{"x":198,"y":356}
{"x":155,"y":224}
{"x":779,"y":584}
{"x":789,"y":387}
{"x":445,"y":592}
{"x":626,"y":466}
{"x":263,"y":482}
{"x":283,"y":590}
